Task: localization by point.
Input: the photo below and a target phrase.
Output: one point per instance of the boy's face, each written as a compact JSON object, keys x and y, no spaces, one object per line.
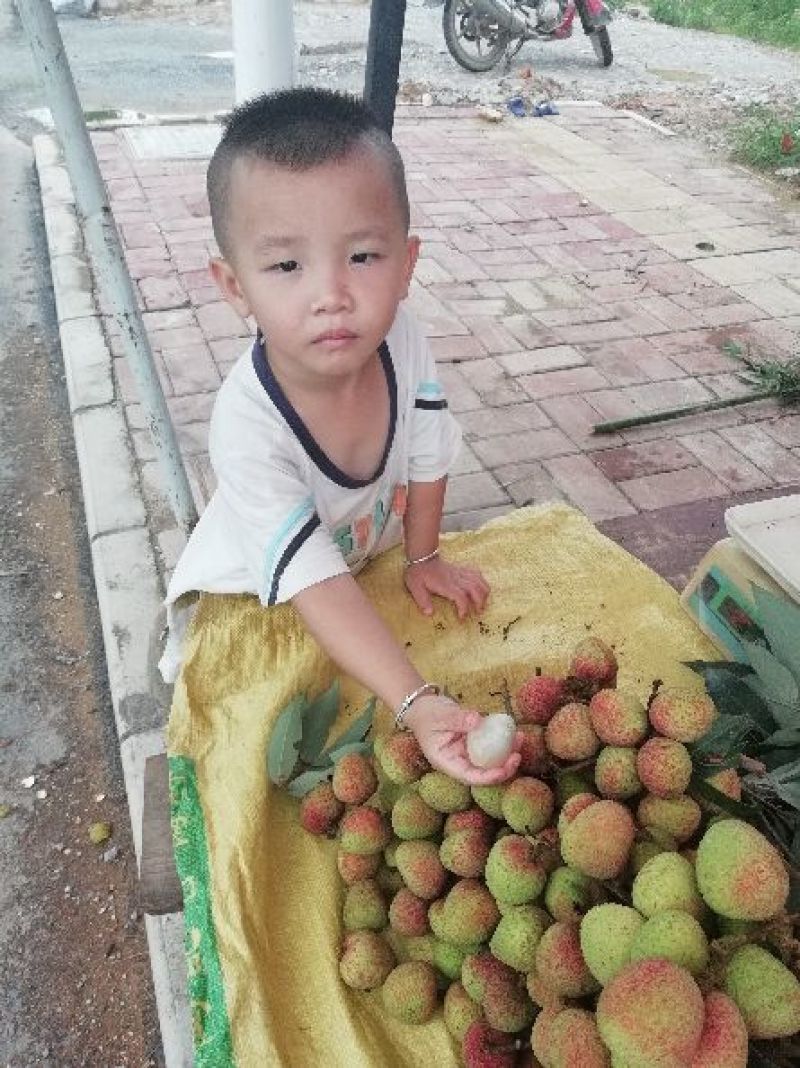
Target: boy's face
{"x":320,"y":258}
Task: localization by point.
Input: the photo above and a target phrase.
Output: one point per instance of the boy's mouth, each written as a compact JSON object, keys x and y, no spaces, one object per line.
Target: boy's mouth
{"x":333,"y":337}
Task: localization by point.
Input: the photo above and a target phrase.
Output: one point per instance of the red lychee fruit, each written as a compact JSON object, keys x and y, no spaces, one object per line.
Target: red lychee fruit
{"x":486,"y":1048}
{"x":594,"y":661}
{"x":354,"y":779}
{"x":320,"y":810}
{"x":538,"y":699}
{"x":534,"y":758}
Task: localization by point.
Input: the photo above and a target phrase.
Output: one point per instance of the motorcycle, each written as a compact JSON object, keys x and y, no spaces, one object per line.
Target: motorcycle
{"x":479,"y":33}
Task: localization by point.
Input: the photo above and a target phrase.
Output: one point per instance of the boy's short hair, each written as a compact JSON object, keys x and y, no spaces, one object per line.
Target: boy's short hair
{"x":298,"y":129}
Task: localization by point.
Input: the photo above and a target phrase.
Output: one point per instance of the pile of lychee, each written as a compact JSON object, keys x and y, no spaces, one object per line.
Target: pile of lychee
{"x":589,"y":913}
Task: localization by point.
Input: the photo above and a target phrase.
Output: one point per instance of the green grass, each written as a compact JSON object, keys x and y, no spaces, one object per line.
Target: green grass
{"x":757,"y":140}
{"x":774,"y":22}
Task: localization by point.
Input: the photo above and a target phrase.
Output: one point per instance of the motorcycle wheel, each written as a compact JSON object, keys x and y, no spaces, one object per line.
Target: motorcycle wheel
{"x":461,"y":26}
{"x":601,"y":43}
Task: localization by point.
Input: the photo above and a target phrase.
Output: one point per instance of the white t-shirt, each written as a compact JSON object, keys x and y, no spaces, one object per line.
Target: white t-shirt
{"x":283,"y":516}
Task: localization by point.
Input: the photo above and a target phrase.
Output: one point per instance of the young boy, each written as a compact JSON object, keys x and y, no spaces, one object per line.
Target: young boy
{"x":331,"y":439}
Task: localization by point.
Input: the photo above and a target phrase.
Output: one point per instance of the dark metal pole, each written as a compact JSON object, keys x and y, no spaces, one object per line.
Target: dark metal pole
{"x":383,"y":59}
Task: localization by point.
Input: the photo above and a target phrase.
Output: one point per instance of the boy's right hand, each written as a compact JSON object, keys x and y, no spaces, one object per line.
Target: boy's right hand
{"x":441,"y":727}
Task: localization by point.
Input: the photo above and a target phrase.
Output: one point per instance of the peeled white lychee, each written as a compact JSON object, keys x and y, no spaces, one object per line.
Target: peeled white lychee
{"x":488,"y":746}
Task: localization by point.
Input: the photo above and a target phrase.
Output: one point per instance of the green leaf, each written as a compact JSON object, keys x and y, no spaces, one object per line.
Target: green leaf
{"x":785,"y":738}
{"x":318,"y":719}
{"x":780,"y":621}
{"x":729,"y":689}
{"x":285,"y":741}
{"x":786,"y":781}
{"x":776,"y":684}
{"x":349,"y":747}
{"x":725,"y":740}
{"x":307,"y":780}
{"x":358,"y":729}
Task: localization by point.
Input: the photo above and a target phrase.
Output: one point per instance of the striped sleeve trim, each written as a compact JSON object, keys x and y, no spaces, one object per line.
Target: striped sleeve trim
{"x":280,"y":541}
{"x":300,"y":538}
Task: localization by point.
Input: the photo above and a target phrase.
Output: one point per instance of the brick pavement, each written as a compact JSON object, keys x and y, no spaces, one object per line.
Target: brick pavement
{"x":573,"y":269}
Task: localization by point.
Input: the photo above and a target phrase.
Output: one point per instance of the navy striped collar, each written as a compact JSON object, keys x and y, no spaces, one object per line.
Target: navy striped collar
{"x":276,"y":394}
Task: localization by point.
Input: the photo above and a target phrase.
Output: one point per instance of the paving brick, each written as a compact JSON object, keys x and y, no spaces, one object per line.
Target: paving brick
{"x":766,"y":453}
{"x":672,"y":487}
{"x":670,"y":394}
{"x":220,"y":320}
{"x":455,"y":349}
{"x":191,"y":369}
{"x":772,"y":297}
{"x":492,"y":335}
{"x":587,"y":487}
{"x":476,"y":490}
{"x":158,"y":293}
{"x":461,"y":397}
{"x":632,"y":360}
{"x":634,"y":461}
{"x":527,"y":483}
{"x":492,"y":383}
{"x":460,"y":267}
{"x":497,"y":307}
{"x":557,"y":383}
{"x":728,"y":465}
{"x":489,"y":422}
{"x":192,"y":407}
{"x":527,"y":295}
{"x":474,"y":518}
{"x":466,"y":463}
{"x":739,"y":311}
{"x":751,"y":266}
{"x":529,"y":333}
{"x":142,"y":263}
{"x":545,"y":359}
{"x":576,"y":416}
{"x":785,"y":430}
{"x":523,"y":445}
{"x":696,"y":352}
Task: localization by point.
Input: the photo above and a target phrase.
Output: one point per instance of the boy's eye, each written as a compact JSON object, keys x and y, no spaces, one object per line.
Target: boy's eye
{"x":364,"y":257}
{"x":286,"y":266}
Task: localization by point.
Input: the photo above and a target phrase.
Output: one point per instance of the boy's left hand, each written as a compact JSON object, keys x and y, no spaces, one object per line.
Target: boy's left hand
{"x":465,"y":587}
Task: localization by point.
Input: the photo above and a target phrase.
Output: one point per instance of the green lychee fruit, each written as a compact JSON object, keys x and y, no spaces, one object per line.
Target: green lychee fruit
{"x":365,"y":960}
{"x":540,"y":993}
{"x":593,"y":661}
{"x":513,"y":873}
{"x":470,"y":913}
{"x":615,"y":773}
{"x":618,"y":717}
{"x":460,"y":1011}
{"x":676,"y":936}
{"x":573,"y":807}
{"x":353,"y":867}
{"x":490,"y":799}
{"x":418,"y":947}
{"x":408,"y":914}
{"x":607,"y":933}
{"x":414,"y":818}
{"x":570,"y":894}
{"x":685,"y":715}
{"x":436,"y":919}
{"x":528,"y":805}
{"x":479,"y":969}
{"x":665,"y":883}
{"x":723,"y":1043}
{"x":422,"y":871}
{"x":570,"y":1039}
{"x":444,"y":793}
{"x":541,"y":1036}
{"x":560,"y":963}
{"x":409,"y":993}
{"x":448,"y":959}
{"x":401,"y":759}
{"x":651,"y":1014}
{"x":465,"y":852}
{"x":363,"y":830}
{"x":517,"y":935}
{"x":534,"y":758}
{"x":644,"y":849}
{"x":538,"y":698}
{"x":677,"y":816}
{"x":470,"y":819}
{"x":364,"y":907}
{"x":486,"y":1047}
{"x":765,"y":991}
{"x":354,"y":778}
{"x":599,"y":839}
{"x":570,"y":735}
{"x":570,"y":783}
{"x":320,"y":810}
{"x":740,"y":873}
{"x":664,"y":767}
{"x":507,"y":1006}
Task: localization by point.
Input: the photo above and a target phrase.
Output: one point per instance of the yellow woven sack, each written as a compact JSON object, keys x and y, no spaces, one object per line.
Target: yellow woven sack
{"x":262,"y":898}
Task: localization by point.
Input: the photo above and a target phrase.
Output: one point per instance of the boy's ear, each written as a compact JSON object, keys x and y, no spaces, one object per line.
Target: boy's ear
{"x":412,"y":254}
{"x":228,"y":285}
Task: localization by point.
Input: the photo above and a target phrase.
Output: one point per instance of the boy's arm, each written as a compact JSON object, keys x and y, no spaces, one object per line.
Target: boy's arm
{"x":465,"y":587}
{"x":347,"y":626}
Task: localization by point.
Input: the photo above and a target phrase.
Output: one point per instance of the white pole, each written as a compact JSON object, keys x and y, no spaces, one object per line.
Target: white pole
{"x":263,"y":47}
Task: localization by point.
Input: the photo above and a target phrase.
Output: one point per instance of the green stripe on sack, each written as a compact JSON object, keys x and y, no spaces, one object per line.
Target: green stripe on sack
{"x":210,"y":1024}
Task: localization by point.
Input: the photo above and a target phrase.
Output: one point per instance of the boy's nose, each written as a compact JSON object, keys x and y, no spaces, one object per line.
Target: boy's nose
{"x":333,"y":292}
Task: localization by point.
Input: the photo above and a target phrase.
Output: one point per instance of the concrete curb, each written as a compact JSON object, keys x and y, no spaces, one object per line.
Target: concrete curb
{"x":129,"y":588}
